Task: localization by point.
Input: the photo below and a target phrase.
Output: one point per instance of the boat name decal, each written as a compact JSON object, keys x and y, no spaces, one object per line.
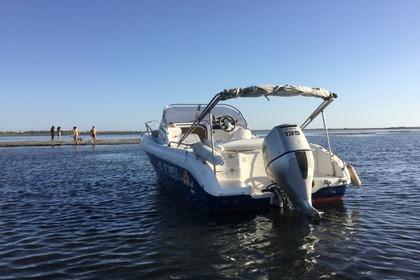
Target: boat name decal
{"x":173,"y":172}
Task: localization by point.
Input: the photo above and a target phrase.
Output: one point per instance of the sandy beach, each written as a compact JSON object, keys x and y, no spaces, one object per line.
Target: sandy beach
{"x":71,"y":142}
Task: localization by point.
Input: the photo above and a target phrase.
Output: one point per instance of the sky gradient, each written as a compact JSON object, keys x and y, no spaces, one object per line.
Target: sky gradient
{"x":116,"y":64}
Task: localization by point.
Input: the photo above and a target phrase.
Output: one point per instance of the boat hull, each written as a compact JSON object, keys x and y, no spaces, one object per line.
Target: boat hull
{"x":328,"y":195}
{"x":181,"y":181}
{"x":184,"y":173}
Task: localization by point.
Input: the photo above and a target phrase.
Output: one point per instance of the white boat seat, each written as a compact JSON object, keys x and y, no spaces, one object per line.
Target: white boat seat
{"x":205,"y":152}
{"x":241,"y":144}
{"x":242,"y":134}
{"x":190,"y":139}
{"x":174,"y":133}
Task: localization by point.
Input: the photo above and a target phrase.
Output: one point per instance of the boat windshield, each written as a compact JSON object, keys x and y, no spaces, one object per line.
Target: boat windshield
{"x":186,"y":114}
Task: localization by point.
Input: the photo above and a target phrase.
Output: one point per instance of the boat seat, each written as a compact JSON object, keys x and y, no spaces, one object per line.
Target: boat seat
{"x":174,"y":133}
{"x":190,"y":139}
{"x":242,"y":134}
{"x":241,"y":144}
{"x":199,"y":130}
{"x":219,"y":134}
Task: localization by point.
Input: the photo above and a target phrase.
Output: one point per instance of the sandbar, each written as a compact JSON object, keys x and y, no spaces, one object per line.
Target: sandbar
{"x":67,"y":143}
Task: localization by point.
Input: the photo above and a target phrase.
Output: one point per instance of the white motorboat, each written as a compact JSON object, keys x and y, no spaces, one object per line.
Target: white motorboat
{"x":209,"y":155}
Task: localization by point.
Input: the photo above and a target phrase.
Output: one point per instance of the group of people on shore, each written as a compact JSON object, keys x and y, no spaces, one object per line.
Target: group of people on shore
{"x":75,"y":135}
{"x":52,"y":130}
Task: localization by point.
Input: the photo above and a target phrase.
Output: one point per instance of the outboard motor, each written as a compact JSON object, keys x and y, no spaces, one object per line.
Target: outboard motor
{"x":289,"y":163}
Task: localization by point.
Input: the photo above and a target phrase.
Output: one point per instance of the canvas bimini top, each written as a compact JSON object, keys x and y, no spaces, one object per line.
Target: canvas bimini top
{"x":279,"y":90}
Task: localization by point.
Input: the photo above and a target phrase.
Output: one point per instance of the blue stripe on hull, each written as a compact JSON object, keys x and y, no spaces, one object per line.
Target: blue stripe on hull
{"x":182,"y":182}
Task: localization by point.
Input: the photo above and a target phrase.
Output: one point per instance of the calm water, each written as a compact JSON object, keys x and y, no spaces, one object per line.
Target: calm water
{"x":96,"y":212}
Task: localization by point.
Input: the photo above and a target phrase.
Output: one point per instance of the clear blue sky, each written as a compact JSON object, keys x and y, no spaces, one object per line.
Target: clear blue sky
{"x":116,"y":64}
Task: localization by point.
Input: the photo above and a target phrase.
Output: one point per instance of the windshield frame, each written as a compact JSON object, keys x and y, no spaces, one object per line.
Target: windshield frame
{"x":187,"y":114}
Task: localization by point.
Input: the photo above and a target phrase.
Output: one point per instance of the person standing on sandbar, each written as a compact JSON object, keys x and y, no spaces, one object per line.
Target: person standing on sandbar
{"x":93,"y":133}
{"x":52,"y":133}
{"x":59,"y":133}
{"x":75,"y":134}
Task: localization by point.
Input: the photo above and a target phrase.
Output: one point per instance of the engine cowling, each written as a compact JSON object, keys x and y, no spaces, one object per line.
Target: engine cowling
{"x":290,"y":164}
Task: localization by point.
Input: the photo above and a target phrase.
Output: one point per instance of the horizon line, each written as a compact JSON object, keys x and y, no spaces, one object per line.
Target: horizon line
{"x":262,"y":129}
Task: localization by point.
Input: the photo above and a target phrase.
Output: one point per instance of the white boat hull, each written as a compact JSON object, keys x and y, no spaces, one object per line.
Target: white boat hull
{"x":186,"y":174}
{"x":193,"y":178}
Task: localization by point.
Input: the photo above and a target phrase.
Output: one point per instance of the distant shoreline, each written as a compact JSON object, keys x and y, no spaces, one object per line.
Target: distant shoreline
{"x":69,"y":143}
{"x":69,"y":132}
{"x":64,"y":132}
{"x":26,"y":141}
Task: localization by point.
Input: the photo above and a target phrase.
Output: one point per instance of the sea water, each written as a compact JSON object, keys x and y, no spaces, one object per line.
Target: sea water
{"x":97,"y":212}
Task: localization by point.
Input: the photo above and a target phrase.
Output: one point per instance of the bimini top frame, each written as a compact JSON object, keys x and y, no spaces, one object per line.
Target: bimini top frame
{"x":266,"y":91}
